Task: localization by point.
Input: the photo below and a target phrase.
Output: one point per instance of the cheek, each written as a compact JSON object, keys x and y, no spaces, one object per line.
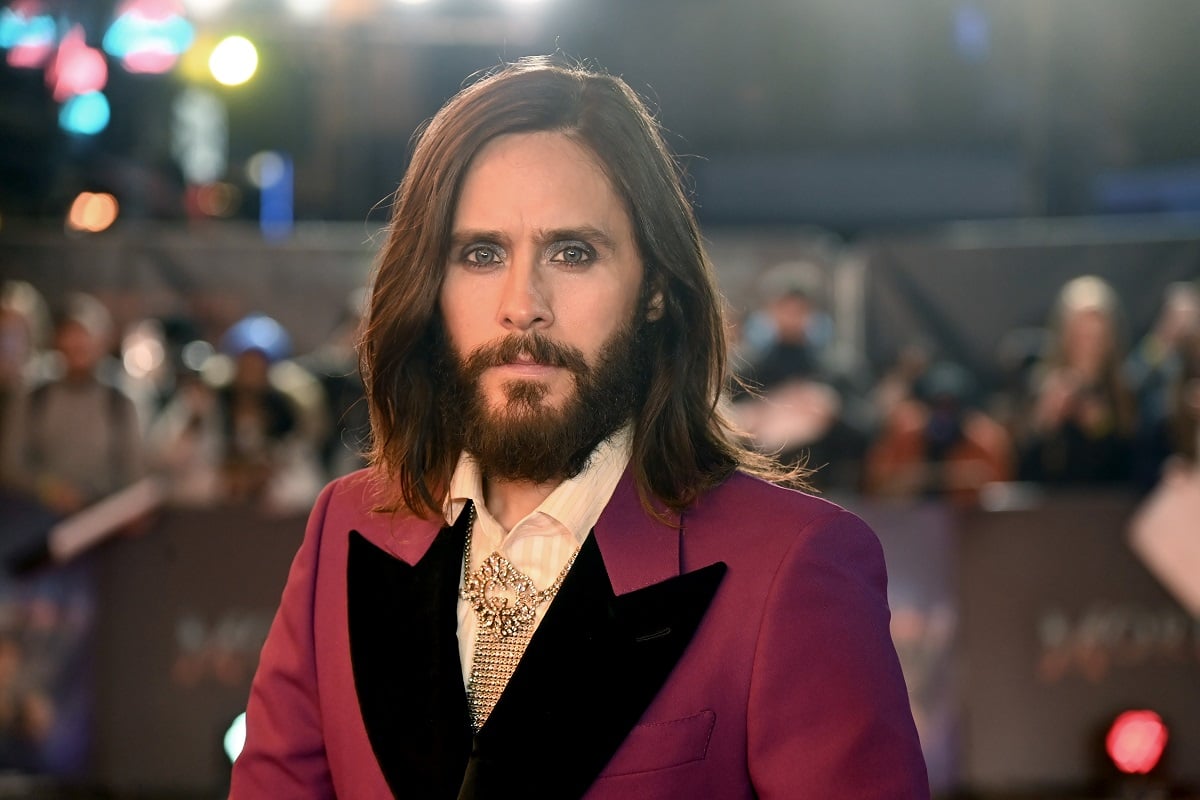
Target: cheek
{"x":597,"y":314}
{"x":458,"y":319}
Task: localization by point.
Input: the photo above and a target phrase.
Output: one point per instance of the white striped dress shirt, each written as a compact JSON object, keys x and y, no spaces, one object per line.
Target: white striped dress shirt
{"x":540,"y":543}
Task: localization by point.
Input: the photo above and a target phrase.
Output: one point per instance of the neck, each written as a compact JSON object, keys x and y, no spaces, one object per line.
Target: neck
{"x":510,"y":501}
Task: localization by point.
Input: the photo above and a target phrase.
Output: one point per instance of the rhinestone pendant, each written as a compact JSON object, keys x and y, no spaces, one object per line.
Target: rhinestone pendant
{"x":504,"y":599}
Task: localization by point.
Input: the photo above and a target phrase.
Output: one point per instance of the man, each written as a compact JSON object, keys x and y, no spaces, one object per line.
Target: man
{"x":559,"y":578}
{"x":76,"y":439}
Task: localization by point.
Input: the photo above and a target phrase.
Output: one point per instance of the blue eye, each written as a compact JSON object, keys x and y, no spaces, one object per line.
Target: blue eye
{"x":483,"y":255}
{"x":574,"y":254}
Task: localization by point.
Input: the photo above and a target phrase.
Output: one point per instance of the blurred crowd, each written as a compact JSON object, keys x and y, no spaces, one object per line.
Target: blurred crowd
{"x":1076,"y":405}
{"x":88,"y":409}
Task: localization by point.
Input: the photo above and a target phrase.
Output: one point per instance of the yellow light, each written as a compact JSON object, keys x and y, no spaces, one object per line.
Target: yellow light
{"x":193,"y":64}
{"x":92,"y":212}
{"x":233,"y":61}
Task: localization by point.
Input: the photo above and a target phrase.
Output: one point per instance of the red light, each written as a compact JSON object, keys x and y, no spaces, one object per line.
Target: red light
{"x":1136,"y":741}
{"x":30,"y":56}
{"x":77,"y":68}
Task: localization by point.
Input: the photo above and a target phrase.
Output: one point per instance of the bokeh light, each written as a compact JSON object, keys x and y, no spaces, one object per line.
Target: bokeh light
{"x":149,"y":36}
{"x":308,"y":9}
{"x":76,"y":68}
{"x":265,"y":169}
{"x":200,"y":135}
{"x":235,"y":737}
{"x":1136,"y":741}
{"x":195,"y":354}
{"x":218,"y":199}
{"x":28,"y":33}
{"x":272,"y":173}
{"x":233,"y":61}
{"x":142,"y":352}
{"x":92,"y":212}
{"x":85,"y":114}
{"x":206,"y":9}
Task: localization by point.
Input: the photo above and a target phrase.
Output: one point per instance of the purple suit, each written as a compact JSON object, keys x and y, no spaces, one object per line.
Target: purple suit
{"x":741,"y":652}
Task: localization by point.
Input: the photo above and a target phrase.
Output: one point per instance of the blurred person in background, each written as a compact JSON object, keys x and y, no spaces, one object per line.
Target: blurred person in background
{"x":1080,"y":413}
{"x":938,"y":443}
{"x":272,"y":415}
{"x":898,"y":385}
{"x":152,"y":357}
{"x":24,"y":328}
{"x":186,"y":440}
{"x":792,"y":399}
{"x":1185,"y":412}
{"x":335,"y":364}
{"x":1171,"y":446}
{"x":76,"y":438}
{"x":789,"y":336}
{"x":1155,"y":370}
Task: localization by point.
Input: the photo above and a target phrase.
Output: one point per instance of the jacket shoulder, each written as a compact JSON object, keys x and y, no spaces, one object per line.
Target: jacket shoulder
{"x":754,"y":499}
{"x":749,"y":518}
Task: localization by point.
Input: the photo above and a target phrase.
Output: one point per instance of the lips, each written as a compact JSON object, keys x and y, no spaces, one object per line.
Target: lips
{"x":527,"y":360}
{"x":528,"y":367}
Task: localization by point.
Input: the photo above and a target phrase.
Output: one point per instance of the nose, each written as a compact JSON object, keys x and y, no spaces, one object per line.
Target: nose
{"x":524,"y":302}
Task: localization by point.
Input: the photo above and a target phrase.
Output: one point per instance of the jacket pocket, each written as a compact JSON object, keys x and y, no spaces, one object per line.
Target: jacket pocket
{"x":653,"y":746}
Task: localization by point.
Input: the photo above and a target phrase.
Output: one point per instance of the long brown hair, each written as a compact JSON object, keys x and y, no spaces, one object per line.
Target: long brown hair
{"x":682,"y":445}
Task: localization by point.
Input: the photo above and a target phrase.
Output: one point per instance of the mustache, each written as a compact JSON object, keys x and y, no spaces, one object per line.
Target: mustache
{"x":536,"y":346}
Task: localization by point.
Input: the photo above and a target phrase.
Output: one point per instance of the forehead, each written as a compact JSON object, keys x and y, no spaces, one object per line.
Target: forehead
{"x":542,"y":178}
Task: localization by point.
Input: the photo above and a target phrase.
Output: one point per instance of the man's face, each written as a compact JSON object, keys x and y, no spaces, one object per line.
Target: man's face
{"x":79,"y":349}
{"x":252,"y":370}
{"x":540,"y":299}
{"x":791,"y":313}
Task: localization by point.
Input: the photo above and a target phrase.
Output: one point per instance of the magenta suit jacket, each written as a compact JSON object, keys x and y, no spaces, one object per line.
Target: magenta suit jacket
{"x":742,"y":652}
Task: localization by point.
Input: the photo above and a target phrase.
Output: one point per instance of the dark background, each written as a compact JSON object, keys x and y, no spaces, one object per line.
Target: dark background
{"x":851,"y":114}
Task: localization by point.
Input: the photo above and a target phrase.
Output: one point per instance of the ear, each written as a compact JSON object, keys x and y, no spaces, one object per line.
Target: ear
{"x":655,"y":308}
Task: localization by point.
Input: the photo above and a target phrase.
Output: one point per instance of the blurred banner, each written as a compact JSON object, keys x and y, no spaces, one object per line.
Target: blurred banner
{"x":46,"y":678}
{"x":1064,"y":628}
{"x":181,"y":616}
{"x":920,"y":545}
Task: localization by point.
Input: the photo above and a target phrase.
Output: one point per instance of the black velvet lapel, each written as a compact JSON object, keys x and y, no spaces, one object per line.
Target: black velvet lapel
{"x":589,"y":672}
{"x":404,"y":650}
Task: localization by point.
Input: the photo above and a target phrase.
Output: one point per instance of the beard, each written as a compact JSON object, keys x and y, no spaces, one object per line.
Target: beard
{"x":525,"y":439}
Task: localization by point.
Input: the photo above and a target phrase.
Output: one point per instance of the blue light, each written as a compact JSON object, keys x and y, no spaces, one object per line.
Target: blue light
{"x":257,"y":332}
{"x":275,"y":210}
{"x":132,"y":33}
{"x":972,"y":32}
{"x":86,"y":114}
{"x":17,"y":30}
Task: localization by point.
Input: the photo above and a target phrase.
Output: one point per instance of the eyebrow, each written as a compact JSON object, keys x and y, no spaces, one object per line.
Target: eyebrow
{"x":466,"y":237}
{"x":585,"y":233}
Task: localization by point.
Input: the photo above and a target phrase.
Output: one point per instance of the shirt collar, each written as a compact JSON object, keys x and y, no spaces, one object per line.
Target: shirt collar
{"x":576,"y":503}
